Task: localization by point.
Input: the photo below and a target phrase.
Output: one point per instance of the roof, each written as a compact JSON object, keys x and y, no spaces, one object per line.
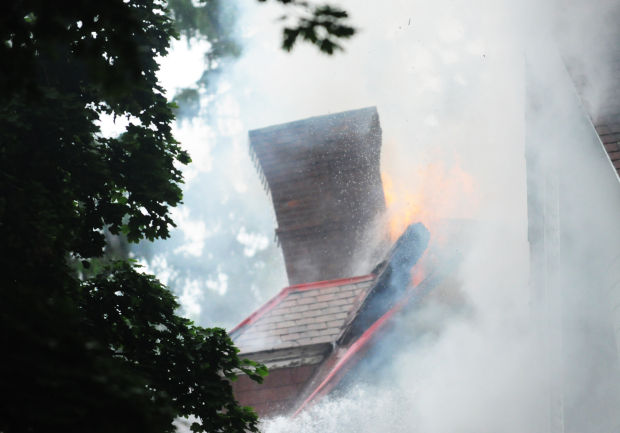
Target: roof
{"x":302,"y":315}
{"x":610,"y":136}
{"x":293,"y":334}
{"x":325,"y":326}
{"x":324,"y":178}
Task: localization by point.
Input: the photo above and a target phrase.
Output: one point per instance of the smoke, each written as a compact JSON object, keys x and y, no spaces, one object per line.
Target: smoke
{"x":517,"y":339}
{"x":473,"y":85}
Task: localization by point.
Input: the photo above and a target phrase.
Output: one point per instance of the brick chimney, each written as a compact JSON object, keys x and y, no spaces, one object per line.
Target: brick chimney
{"x":324,"y":179}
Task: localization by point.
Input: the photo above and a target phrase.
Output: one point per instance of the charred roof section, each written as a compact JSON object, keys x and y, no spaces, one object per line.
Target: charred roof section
{"x":393,"y":281}
{"x":309,"y":335}
{"x":324,"y":179}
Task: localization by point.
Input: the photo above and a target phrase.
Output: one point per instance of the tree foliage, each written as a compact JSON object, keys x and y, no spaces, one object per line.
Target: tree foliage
{"x":95,"y":351}
{"x":91,"y":344}
{"x":213,"y":21}
{"x":323,"y":26}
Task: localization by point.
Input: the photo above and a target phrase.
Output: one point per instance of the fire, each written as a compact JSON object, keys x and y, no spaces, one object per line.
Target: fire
{"x":418,"y":273}
{"x":428,"y":195}
{"x":431,"y":193}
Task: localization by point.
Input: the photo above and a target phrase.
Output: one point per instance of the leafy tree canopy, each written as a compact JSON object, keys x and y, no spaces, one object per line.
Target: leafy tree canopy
{"x":92,"y":344}
{"x":323,"y":26}
{"x":96,"y":350}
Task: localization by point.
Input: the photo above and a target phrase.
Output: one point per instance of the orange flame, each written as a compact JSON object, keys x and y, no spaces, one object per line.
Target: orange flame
{"x":418,"y":274}
{"x":429,"y":194}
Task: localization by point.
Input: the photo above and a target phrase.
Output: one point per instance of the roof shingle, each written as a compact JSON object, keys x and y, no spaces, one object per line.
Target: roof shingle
{"x":304,"y":315}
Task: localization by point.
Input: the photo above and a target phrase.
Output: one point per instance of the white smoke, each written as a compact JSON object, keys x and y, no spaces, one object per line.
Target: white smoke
{"x":450,"y":81}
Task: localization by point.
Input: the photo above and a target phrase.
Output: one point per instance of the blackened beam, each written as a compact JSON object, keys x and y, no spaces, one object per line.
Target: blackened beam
{"x":392,"y":282}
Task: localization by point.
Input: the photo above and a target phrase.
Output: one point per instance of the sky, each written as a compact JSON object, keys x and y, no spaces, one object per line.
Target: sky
{"x":221,"y":260}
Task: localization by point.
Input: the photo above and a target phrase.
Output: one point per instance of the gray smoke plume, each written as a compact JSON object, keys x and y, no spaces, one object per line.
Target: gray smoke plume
{"x":477,"y":86}
{"x":522,"y":336}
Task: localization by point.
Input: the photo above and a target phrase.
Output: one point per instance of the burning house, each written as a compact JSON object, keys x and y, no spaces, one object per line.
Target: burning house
{"x":349,"y":280}
{"x":346,"y":280}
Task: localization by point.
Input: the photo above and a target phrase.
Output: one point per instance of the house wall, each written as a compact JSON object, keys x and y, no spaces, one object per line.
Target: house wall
{"x":574,"y":234}
{"x":277,"y":393}
{"x":590,"y":266}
